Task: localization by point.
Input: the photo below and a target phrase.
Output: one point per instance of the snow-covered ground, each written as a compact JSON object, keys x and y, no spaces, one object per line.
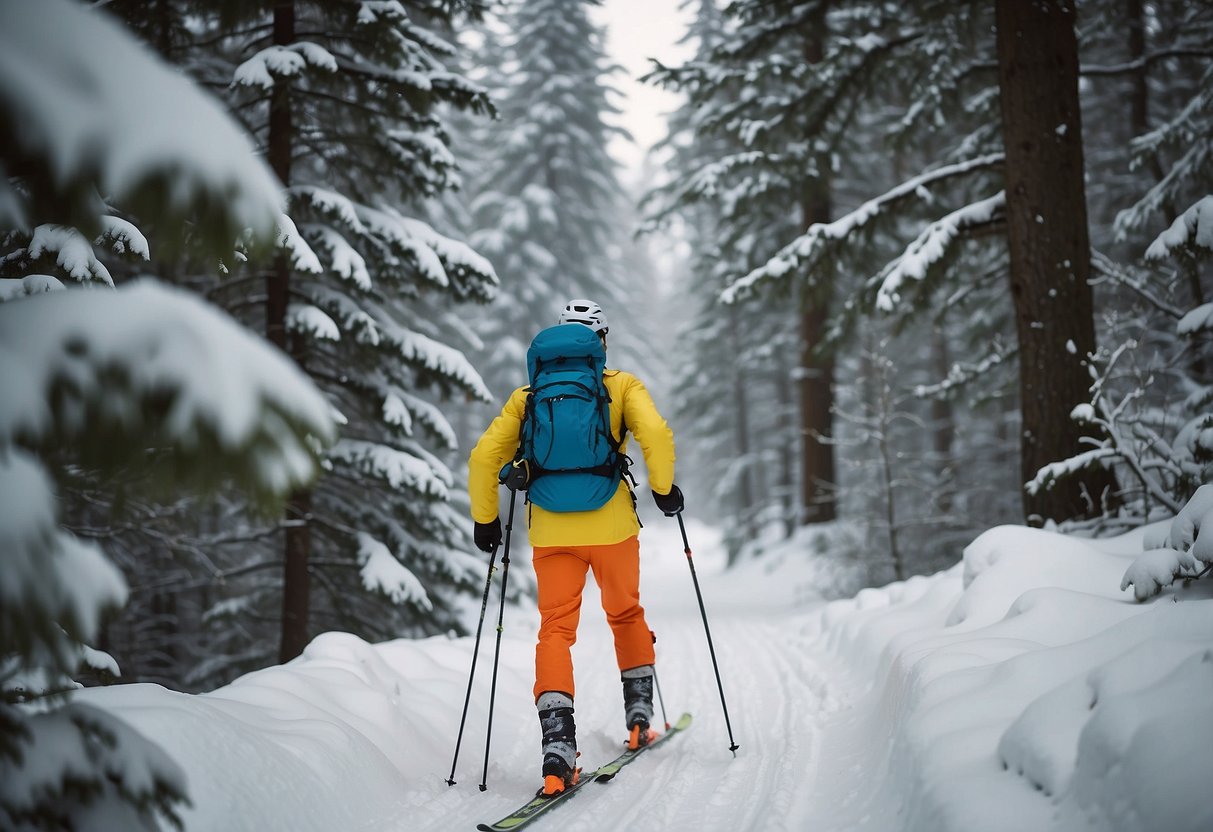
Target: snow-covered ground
{"x":1019,"y":690}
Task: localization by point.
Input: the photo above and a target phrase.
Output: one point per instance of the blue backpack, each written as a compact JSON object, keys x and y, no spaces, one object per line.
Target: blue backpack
{"x":571,"y":460}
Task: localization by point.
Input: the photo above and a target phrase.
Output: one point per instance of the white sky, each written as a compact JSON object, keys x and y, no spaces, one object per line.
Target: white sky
{"x":636,"y":31}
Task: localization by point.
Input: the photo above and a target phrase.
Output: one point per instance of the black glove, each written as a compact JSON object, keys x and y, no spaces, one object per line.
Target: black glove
{"x":670,"y":504}
{"x":488,"y":535}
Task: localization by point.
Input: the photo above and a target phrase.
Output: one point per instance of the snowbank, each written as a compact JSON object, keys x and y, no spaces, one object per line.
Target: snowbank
{"x":1023,"y":690}
{"x":329,"y":741}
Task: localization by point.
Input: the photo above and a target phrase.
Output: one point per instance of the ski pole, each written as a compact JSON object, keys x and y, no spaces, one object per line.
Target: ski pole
{"x":467,"y":698}
{"x":686,"y":547}
{"x":661,"y":699}
{"x":505,"y":574}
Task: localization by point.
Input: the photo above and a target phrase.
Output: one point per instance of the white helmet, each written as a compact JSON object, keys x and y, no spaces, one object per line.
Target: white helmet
{"x":581,"y":311}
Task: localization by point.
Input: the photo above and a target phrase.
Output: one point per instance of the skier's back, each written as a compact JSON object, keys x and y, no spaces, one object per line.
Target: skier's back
{"x":569,"y":539}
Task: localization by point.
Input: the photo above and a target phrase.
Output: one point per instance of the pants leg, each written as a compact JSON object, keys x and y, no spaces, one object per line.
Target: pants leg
{"x":617,"y":571}
{"x":560,"y":575}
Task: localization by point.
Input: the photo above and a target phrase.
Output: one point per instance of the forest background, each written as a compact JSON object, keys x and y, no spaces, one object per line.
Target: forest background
{"x":889,"y":286}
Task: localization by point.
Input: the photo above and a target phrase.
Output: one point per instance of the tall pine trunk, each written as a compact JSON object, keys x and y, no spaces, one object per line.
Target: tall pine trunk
{"x":943,"y":423}
{"x":1049,"y":244}
{"x":296,"y":580}
{"x":746,"y":491}
{"x":817,"y":476}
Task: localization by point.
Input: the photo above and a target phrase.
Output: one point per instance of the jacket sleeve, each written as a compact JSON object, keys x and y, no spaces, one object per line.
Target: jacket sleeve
{"x":653,"y":435}
{"x":496,"y":447}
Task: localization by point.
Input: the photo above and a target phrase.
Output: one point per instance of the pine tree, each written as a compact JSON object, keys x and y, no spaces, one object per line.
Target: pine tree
{"x":345,"y":101}
{"x":546,"y":208}
{"x":113,"y":382}
{"x":1049,"y":244}
{"x":749,"y":86}
{"x":726,"y":353}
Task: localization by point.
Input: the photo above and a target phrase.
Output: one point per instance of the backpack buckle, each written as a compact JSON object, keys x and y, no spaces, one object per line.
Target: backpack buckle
{"x":518,"y":476}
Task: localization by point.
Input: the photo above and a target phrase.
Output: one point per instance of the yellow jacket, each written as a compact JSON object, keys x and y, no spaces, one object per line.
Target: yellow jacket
{"x":632,"y":405}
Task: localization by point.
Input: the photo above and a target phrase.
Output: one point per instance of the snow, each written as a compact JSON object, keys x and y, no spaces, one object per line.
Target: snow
{"x":75,"y":744}
{"x":160,"y":340}
{"x":1019,"y":689}
{"x":123,"y":237}
{"x":31,"y":284}
{"x":400,"y":469}
{"x":302,"y":257}
{"x":382,"y":572}
{"x":68,"y":81}
{"x":1157,"y":569}
{"x":282,"y":61}
{"x":344,"y":259}
{"x":932,"y":244}
{"x":305,"y":318}
{"x":1196,"y":320}
{"x":72,"y":252}
{"x":47,"y":571}
{"x":807,"y":247}
{"x":1191,"y":229}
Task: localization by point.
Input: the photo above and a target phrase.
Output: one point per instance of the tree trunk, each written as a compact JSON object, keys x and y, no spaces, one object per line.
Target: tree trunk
{"x":817,"y":476}
{"x":1139,"y":97}
{"x":818,"y":498}
{"x":1049,"y":244}
{"x":785,"y":438}
{"x":280,"y":144}
{"x":296,"y":578}
{"x":746,"y":493}
{"x":943,"y":423}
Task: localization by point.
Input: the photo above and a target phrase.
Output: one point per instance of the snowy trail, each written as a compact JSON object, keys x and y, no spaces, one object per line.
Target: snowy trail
{"x":1018,"y":690}
{"x":774,"y":692}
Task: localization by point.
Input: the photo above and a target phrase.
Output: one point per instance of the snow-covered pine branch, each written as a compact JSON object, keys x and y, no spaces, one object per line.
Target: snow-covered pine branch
{"x":805,"y":252}
{"x":1193,"y":158}
{"x":106,"y":377}
{"x":68,"y":82}
{"x":961,"y":373}
{"x":1185,"y":550}
{"x":1191,"y":234}
{"x":382,"y":572}
{"x":932,"y":246}
{"x":112,"y":373}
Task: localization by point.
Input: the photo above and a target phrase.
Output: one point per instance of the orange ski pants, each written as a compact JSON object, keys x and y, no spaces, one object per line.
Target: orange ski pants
{"x":560,"y":572}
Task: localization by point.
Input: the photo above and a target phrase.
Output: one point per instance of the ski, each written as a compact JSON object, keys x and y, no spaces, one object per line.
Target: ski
{"x":537,"y":806}
{"x":604,"y":774}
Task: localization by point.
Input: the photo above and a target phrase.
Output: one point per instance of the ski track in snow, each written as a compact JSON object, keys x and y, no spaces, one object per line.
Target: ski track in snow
{"x":774,"y":691}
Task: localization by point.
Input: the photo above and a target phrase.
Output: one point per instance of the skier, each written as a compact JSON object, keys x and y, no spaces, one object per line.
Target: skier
{"x":568,"y":542}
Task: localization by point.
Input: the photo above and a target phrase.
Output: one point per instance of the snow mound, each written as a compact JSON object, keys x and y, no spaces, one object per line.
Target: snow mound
{"x":1024,"y":678}
{"x":329,"y":741}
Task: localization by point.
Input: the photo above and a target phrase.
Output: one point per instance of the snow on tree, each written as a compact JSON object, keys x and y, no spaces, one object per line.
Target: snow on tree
{"x":1183,"y":552}
{"x":1164,"y":451}
{"x":146,"y":377}
{"x":920,"y":80}
{"x":89,"y":127}
{"x":345,"y":100}
{"x":142,"y":378}
{"x":741,"y":353}
{"x":546,"y":204}
{"x":750,"y":86}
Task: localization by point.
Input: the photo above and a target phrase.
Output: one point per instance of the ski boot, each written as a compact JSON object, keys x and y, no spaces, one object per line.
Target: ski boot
{"x":638,"y":705}
{"x":559,"y":743}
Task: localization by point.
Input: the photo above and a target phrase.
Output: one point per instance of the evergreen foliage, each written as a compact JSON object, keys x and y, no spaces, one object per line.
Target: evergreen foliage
{"x":547,"y":207}
{"x":108,"y":381}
